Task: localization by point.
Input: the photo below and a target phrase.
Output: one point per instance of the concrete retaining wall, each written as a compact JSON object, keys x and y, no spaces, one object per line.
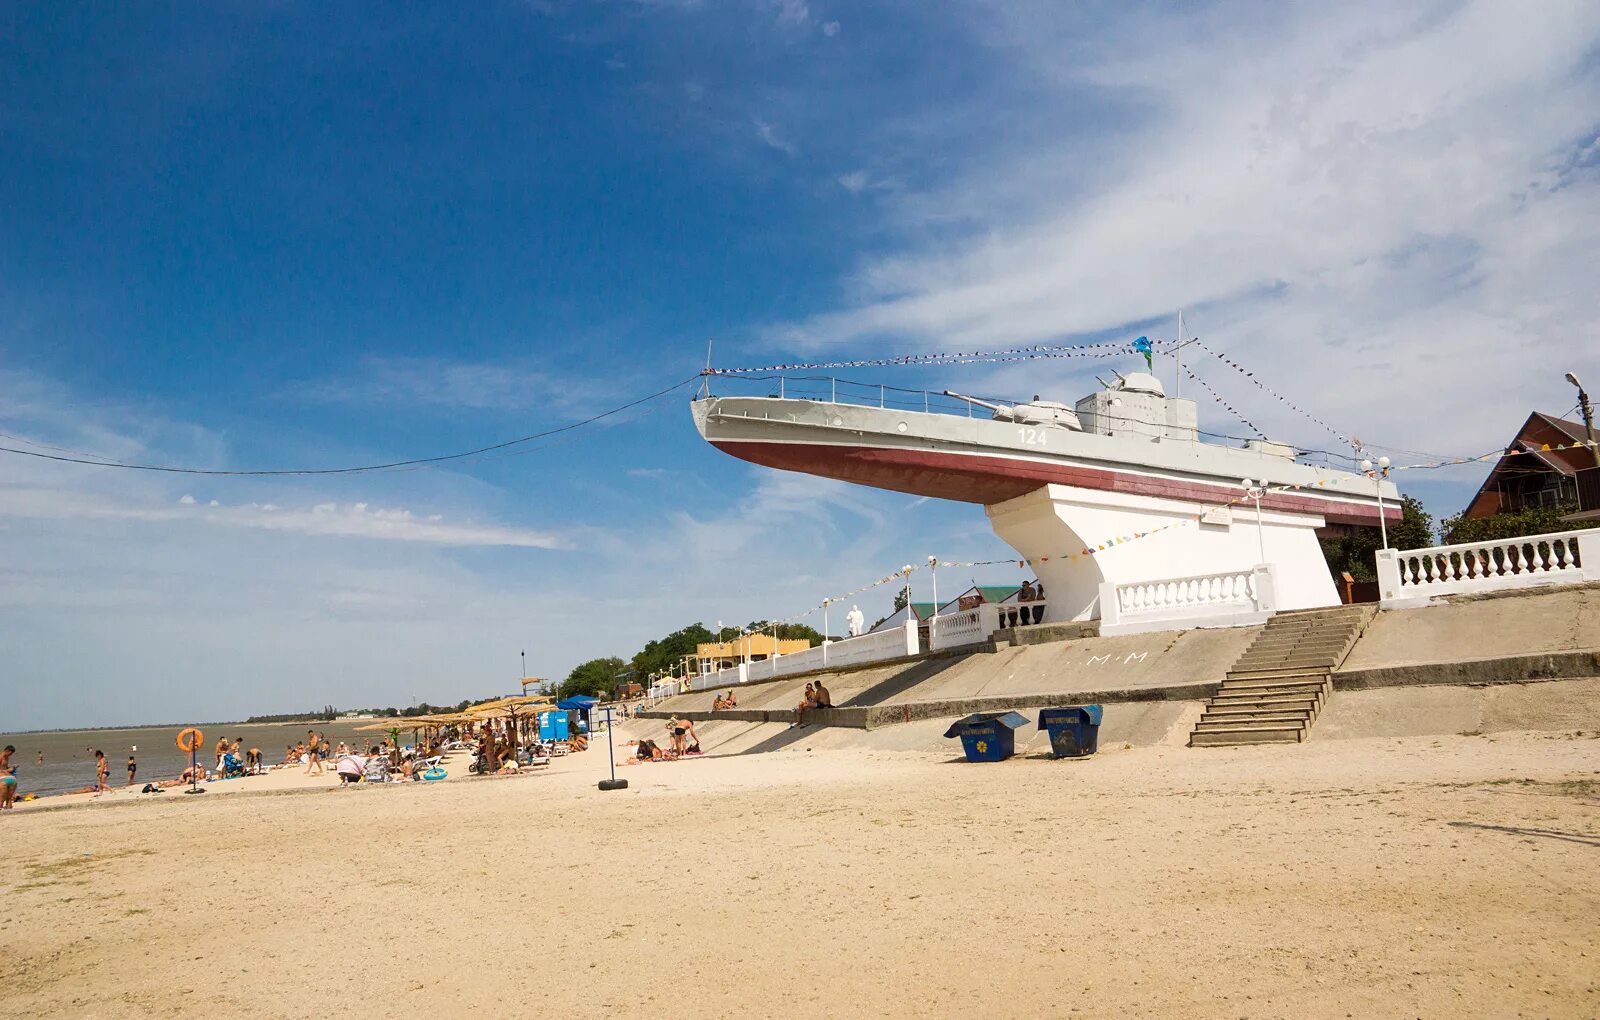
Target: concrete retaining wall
{"x":1505,"y":669}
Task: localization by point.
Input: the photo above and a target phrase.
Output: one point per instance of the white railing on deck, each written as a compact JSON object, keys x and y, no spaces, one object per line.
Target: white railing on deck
{"x":1561,"y":557}
{"x":1233,"y":598}
{"x":894,"y":643}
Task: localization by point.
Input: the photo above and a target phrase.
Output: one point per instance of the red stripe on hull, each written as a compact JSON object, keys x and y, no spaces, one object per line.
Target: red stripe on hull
{"x":989,"y":480}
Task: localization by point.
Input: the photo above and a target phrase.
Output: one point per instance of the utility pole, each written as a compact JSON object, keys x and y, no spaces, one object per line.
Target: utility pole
{"x":1588,"y":416}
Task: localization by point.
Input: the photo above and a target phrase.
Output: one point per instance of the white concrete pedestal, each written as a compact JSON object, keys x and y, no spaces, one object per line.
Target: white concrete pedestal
{"x":1056,"y":521}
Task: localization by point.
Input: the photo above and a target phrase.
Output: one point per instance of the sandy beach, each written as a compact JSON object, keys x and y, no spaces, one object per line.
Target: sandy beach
{"x":1423,"y":876}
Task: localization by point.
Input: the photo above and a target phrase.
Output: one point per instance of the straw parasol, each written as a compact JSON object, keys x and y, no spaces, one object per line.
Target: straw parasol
{"x":509,"y":707}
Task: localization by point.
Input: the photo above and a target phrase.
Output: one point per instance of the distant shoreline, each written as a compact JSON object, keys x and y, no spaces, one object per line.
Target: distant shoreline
{"x":183,"y":725}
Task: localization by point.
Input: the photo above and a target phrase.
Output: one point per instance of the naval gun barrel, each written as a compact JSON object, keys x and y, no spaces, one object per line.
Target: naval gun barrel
{"x":998,"y":409}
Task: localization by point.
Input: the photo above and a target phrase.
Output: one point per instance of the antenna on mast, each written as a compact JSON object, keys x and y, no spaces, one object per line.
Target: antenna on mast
{"x":705,"y":377}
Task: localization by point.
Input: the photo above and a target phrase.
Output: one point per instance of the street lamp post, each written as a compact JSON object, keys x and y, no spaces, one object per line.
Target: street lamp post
{"x":1377,"y":477}
{"x":1588,"y":416}
{"x":1254,"y":492}
{"x":933,"y":569}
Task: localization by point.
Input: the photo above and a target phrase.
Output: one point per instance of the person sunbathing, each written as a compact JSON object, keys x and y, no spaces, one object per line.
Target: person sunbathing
{"x":648,"y":751}
{"x":718,"y":704}
{"x":730,"y":701}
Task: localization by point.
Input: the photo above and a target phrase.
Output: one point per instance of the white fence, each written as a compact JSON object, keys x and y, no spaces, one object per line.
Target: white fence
{"x":1562,"y":557}
{"x":894,"y":643}
{"x":965,"y":627}
{"x":978,"y":624}
{"x":1235,"y":598}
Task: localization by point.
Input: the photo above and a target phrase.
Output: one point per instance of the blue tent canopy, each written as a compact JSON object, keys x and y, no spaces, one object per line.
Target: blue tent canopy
{"x":580,"y":702}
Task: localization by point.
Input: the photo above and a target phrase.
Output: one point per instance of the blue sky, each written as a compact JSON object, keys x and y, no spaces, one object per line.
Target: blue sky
{"x":264,"y":235}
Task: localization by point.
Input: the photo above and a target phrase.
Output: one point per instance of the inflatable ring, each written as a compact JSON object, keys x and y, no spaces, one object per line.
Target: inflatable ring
{"x":191,"y":739}
{"x":434,"y":773}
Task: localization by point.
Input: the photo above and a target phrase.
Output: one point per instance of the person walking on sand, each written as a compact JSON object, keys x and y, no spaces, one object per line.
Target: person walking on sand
{"x":8,"y":779}
{"x":102,"y":774}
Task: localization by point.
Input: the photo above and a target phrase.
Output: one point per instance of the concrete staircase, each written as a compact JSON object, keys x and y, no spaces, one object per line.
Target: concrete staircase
{"x":1274,"y":692}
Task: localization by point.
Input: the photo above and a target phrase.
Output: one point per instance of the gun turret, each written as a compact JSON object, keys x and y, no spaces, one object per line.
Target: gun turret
{"x":1035,"y":412}
{"x":1001,"y":411}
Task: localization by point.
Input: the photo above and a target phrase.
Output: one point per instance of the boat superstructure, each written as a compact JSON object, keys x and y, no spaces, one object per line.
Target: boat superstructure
{"x":1125,"y":459}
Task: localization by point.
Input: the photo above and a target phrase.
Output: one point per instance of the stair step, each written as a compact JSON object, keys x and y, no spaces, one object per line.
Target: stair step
{"x":1246,"y":724}
{"x":1244,"y":709}
{"x":1268,"y":678}
{"x":1250,"y":662}
{"x":1211,"y":719}
{"x":1271,"y":699}
{"x":1256,"y":670}
{"x":1310,"y":663}
{"x":1310,"y":690}
{"x":1292,"y":642}
{"x":1222,"y":738}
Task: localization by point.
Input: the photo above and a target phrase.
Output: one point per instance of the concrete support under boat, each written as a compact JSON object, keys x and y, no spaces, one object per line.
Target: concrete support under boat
{"x":1049,"y":524}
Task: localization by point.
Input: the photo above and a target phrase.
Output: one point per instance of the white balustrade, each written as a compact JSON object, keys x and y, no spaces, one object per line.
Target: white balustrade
{"x":1405,"y":577}
{"x":964,"y":627}
{"x":1235,"y":598}
{"x":895,"y":643}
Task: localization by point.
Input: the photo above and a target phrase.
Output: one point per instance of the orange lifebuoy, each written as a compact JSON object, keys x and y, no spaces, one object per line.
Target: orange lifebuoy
{"x":191,"y":739}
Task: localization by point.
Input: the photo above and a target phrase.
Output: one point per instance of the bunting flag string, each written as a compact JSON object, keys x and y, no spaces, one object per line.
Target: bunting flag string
{"x":1271,"y":392}
{"x":1038,"y":351}
{"x":1218,"y":398}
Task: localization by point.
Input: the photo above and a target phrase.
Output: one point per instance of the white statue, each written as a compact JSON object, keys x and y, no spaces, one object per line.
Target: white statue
{"x":856,"y":620}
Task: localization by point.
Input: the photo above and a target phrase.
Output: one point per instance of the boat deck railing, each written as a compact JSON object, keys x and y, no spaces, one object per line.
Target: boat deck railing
{"x":834,"y":390}
{"x":845,"y":391}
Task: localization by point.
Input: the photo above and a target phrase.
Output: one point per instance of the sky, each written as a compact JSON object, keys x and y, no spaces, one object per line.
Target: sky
{"x":290,"y":235}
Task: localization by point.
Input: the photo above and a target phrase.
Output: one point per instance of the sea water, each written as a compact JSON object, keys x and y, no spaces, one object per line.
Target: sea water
{"x":69,"y":754}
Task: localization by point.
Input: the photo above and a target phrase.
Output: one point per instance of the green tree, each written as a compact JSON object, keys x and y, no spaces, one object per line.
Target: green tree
{"x":786,"y":631}
{"x":666,"y":654}
{"x":596,"y":677}
{"x":1356,"y":551}
{"x":1535,"y":521}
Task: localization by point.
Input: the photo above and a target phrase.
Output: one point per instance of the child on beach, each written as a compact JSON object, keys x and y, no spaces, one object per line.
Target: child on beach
{"x":8,"y":779}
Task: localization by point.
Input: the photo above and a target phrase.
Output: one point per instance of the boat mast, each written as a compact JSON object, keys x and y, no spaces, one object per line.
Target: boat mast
{"x":1177,"y":352}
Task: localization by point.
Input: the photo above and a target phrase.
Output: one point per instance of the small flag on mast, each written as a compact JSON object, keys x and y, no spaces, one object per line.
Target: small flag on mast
{"x":1142,"y":345}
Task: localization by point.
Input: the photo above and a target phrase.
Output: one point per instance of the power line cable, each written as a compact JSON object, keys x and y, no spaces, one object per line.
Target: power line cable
{"x":359,"y":469}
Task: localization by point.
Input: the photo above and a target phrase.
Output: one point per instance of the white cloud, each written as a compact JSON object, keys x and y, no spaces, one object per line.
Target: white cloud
{"x":1401,"y":200}
{"x":830,"y":28}
{"x":792,"y":12}
{"x":769,"y":136}
{"x":328,"y":520}
{"x":447,"y":383}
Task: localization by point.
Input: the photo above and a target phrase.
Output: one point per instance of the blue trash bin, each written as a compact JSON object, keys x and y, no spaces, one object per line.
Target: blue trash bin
{"x":1074,"y":730}
{"x":988,"y":736}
